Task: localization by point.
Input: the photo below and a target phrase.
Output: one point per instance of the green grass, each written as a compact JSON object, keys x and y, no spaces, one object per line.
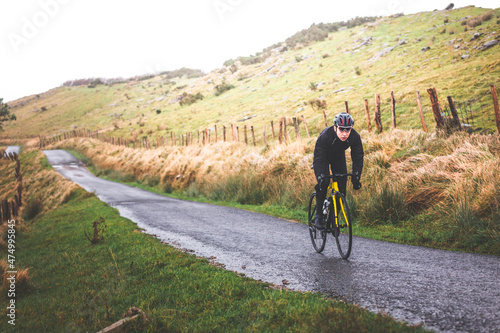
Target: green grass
{"x":77,"y":286}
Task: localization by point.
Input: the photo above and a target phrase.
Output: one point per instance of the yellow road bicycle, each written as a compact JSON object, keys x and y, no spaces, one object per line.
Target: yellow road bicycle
{"x":337,"y":219}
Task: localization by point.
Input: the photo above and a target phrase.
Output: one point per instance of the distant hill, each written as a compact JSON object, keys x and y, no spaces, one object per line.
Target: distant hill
{"x":454,"y":51}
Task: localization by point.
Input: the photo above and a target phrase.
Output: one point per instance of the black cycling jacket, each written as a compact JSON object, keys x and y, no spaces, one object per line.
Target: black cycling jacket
{"x":330,"y":150}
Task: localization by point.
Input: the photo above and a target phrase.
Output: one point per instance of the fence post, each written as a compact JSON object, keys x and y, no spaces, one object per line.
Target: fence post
{"x":272,"y":129}
{"x":367,"y":111}
{"x":454,"y":113}
{"x":393,"y":105}
{"x":297,"y":130}
{"x":305,"y":125}
{"x":264,"y":136}
{"x":324,"y":117}
{"x":346,"y":107}
{"x":215,"y":133}
{"x":253,"y":135}
{"x":378,"y":116}
{"x":495,"y":105}
{"x":281,"y":131}
{"x":285,"y":136}
{"x":419,"y":102}
{"x":224,"y":132}
{"x":435,"y":107}
{"x":245,"y":131}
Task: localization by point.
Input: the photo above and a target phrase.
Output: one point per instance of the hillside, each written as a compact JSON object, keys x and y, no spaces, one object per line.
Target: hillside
{"x":404,"y":54}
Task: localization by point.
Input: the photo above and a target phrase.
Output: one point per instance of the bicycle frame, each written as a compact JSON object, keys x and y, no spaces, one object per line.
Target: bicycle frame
{"x":334,"y":187}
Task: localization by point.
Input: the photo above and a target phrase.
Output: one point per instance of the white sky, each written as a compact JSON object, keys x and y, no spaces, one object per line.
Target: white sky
{"x":44,"y":43}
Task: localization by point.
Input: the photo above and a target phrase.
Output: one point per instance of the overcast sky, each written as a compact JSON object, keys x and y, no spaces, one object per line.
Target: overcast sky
{"x":47,"y":42}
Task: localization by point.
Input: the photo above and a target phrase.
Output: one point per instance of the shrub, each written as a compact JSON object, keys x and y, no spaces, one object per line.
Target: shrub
{"x":474,"y":22}
{"x":313,"y":86}
{"x":487,"y":16}
{"x":317,"y":104}
{"x":222,"y":88}
{"x":188,"y":99}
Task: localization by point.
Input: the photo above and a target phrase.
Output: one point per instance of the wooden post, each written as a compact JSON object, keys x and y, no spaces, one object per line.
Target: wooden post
{"x":435,"y":107}
{"x":245,"y":131}
{"x":281,"y":131}
{"x":305,"y":125}
{"x":264,"y":135}
{"x":378,"y":116}
{"x":224,"y":132}
{"x":253,"y":135}
{"x":495,"y":105}
{"x":419,"y":102}
{"x":367,"y":111}
{"x":324,"y":117}
{"x":285,"y":136}
{"x":297,"y":130}
{"x":272,"y":128}
{"x":237,"y":134}
{"x":454,"y":113}
{"x":393,"y":105}
{"x":215,"y":133}
{"x":346,"y":107}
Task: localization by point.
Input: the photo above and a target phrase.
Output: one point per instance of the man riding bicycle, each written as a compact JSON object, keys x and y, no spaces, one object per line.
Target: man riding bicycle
{"x":330,"y":152}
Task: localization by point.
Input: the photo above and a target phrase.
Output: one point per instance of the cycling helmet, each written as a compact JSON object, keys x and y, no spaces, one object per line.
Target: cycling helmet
{"x":343,"y":119}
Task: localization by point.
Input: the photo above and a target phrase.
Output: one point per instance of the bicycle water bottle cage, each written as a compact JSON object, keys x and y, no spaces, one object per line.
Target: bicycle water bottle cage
{"x":326,"y":204}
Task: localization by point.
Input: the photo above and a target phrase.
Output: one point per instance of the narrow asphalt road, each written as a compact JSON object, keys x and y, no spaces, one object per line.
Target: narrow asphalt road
{"x":12,"y":149}
{"x":445,"y":291}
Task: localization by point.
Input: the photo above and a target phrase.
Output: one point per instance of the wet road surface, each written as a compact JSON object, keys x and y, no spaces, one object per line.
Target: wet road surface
{"x":12,"y":149}
{"x":445,"y":291}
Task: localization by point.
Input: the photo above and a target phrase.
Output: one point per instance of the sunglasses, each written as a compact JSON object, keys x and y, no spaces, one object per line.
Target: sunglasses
{"x":345,"y":129}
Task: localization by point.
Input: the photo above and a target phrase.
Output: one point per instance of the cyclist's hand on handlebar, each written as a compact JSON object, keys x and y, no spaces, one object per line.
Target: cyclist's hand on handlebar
{"x":356,"y":184}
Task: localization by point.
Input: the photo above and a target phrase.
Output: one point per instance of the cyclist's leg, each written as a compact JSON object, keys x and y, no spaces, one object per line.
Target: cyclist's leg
{"x":321,"y":195}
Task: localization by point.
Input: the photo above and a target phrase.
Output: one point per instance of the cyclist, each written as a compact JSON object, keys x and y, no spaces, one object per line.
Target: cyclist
{"x":330,"y":153}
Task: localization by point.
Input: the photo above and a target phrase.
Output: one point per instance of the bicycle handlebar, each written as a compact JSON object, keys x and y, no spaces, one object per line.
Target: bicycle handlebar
{"x":340,"y":175}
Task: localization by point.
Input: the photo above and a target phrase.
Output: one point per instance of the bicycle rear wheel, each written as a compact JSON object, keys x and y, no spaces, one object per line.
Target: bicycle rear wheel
{"x":318,"y":237}
{"x":343,"y":233}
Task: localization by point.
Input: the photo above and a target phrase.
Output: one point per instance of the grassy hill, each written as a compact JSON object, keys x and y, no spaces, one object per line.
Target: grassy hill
{"x":351,"y":64}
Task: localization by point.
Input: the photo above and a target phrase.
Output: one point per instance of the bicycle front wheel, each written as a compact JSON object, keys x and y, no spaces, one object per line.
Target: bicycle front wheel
{"x":318,"y":237}
{"x":343,"y":229}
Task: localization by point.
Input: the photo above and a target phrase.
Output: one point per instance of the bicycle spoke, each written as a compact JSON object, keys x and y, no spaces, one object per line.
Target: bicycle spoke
{"x":318,"y":237}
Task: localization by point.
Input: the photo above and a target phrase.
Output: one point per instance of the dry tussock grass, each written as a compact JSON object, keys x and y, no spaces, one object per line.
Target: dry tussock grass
{"x":406,"y":172}
{"x":434,"y":172}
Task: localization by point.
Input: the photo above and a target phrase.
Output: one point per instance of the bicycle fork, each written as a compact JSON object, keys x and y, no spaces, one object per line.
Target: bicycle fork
{"x":335,"y":188}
